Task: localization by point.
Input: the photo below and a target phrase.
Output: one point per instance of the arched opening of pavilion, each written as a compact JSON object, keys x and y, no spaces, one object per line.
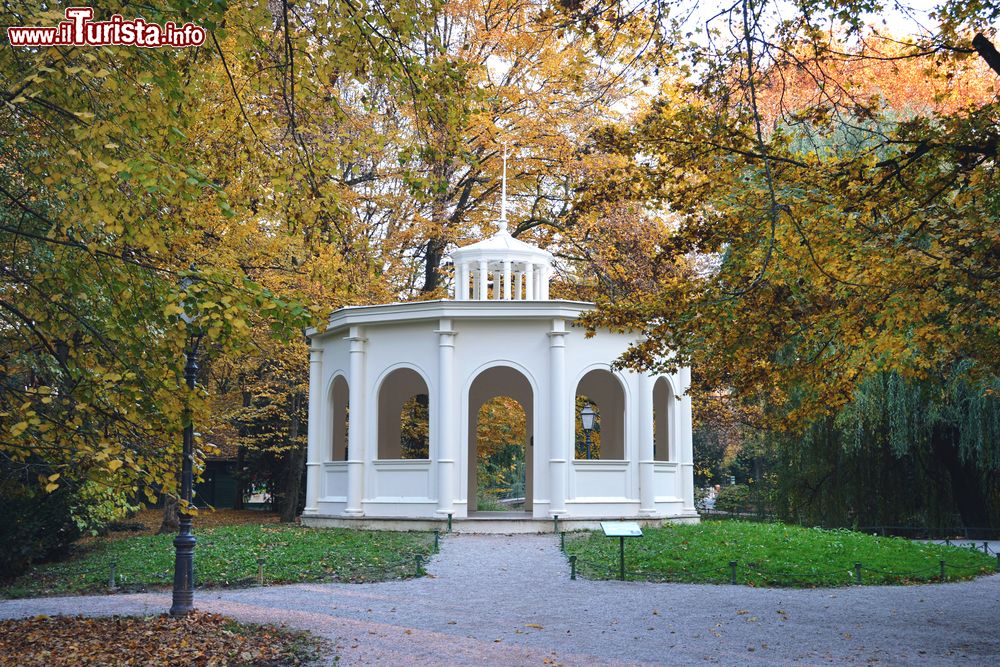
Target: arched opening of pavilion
{"x":603,"y":391}
{"x":339,"y":415}
{"x":403,"y":416}
{"x":663,"y":420}
{"x":501,"y":449}
{"x":500,"y":437}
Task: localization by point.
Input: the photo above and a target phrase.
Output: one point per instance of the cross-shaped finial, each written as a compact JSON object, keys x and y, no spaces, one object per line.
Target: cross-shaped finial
{"x":503,"y":190}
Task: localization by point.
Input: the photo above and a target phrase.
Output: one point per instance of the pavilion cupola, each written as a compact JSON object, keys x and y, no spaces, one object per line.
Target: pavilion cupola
{"x":502,"y":268}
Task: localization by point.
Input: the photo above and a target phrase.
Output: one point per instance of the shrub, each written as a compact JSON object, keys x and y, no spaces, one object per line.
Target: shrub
{"x":38,"y":526}
{"x":735,"y":498}
{"x":96,"y":507}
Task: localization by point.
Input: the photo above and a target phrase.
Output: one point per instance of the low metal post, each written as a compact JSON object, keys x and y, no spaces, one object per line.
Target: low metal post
{"x":998,"y":562}
{"x":437,"y":540}
{"x":419,"y":560}
{"x":449,"y":522}
{"x":555,"y":524}
{"x":112,"y":578}
{"x":732,"y":572}
{"x":947,"y":542}
{"x":260,"y":571}
{"x":942,"y":570}
{"x":572,"y":568}
{"x":562,"y":541}
{"x":621,"y":558}
{"x":986,"y":547}
{"x":857,"y":573}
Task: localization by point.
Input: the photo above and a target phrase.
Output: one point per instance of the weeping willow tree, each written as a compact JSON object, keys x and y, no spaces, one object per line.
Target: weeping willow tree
{"x":903,"y":452}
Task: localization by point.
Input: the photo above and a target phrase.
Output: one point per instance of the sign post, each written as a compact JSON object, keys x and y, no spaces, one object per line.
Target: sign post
{"x":621,"y":530}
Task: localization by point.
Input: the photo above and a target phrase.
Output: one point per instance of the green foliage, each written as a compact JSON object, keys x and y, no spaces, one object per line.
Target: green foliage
{"x":734,"y":498}
{"x":97,"y":505}
{"x":414,"y":425}
{"x":227,"y":556}
{"x":500,"y":444}
{"x":488,"y":502}
{"x":861,"y":466}
{"x":774,"y":554}
{"x":37,"y":526}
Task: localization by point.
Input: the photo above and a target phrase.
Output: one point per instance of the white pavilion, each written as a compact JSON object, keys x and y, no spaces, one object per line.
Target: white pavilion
{"x":500,"y":335}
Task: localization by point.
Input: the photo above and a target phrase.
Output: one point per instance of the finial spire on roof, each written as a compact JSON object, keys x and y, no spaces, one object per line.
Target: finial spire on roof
{"x":503,"y":191}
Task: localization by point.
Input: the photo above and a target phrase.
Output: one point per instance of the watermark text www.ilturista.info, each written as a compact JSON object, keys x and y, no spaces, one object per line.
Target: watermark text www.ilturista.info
{"x":79,"y":30}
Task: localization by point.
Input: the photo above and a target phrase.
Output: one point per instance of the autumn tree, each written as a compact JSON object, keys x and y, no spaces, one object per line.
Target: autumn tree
{"x":510,"y":72}
{"x":832,"y":192}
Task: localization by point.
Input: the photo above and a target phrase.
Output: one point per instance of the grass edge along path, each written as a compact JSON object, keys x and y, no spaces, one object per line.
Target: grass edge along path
{"x":227,"y":556}
{"x":772,"y":554}
{"x":196,"y":639}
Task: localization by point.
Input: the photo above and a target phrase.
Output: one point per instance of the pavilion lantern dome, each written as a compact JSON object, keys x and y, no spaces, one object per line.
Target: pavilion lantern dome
{"x":502,"y":268}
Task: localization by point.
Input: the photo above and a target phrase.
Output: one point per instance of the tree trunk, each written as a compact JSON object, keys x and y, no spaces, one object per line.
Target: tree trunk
{"x":241,"y":451}
{"x":171,"y":520}
{"x":432,"y":262}
{"x":966,"y":481}
{"x":241,"y":482}
{"x":437,"y":244}
{"x":295,"y":460}
{"x":987,"y":51}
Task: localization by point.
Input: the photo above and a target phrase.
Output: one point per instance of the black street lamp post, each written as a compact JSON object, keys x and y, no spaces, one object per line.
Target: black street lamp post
{"x":587,"y":415}
{"x":183,"y":600}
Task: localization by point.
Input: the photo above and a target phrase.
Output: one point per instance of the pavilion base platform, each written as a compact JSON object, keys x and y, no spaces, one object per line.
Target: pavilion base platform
{"x":487,"y":523}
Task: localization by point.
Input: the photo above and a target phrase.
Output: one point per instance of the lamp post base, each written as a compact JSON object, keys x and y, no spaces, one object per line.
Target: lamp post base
{"x":183,"y":599}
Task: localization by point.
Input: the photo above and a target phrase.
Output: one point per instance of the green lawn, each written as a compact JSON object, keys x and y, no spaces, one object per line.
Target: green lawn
{"x":227,"y":556}
{"x":772,"y":554}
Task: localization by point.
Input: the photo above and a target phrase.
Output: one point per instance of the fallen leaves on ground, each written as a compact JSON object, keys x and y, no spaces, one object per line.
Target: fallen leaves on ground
{"x":196,"y":639}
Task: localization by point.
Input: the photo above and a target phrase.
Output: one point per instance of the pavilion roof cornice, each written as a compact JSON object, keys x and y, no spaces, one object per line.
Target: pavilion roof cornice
{"x":388,"y":313}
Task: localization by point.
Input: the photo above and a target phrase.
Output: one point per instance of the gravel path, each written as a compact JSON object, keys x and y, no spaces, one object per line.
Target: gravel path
{"x":499,"y":600}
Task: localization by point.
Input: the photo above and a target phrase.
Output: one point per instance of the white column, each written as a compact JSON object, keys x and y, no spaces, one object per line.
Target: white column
{"x":644,"y":408}
{"x":506,"y":280}
{"x":497,"y":294}
{"x":685,"y":446}
{"x":559,"y":418}
{"x":529,"y":281}
{"x":447,"y":411}
{"x":517,"y":285}
{"x":314,"y":448}
{"x":356,"y":438}
{"x":484,"y":288}
{"x":461,"y":282}
{"x":545,"y":272}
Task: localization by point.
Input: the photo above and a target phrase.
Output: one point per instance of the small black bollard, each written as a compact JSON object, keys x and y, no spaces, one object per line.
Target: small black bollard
{"x":419,"y":559}
{"x":998,"y":562}
{"x":942,"y":570}
{"x":986,"y":547}
{"x":449,"y":522}
{"x":857,"y":573}
{"x":562,"y":542}
{"x":437,"y":540}
{"x":112,"y":579}
{"x":555,"y":524}
{"x":572,"y":568}
{"x":947,"y":542}
{"x":260,"y":571}
{"x":732,"y":572}
{"x":621,"y":558}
